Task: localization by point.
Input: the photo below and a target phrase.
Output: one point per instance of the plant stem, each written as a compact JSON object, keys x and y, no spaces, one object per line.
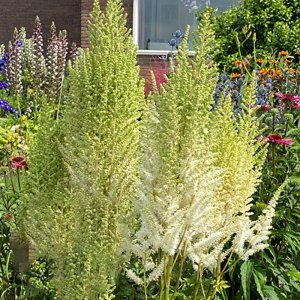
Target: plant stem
{"x":198,"y":283}
{"x":213,"y":294}
{"x":145,"y":279}
{"x":181,"y":267}
{"x":168,"y":273}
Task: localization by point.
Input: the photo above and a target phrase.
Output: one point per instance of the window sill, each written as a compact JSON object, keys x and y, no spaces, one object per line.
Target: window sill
{"x":159,"y":52}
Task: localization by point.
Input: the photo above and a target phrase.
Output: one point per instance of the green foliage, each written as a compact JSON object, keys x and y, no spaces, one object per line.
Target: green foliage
{"x":273,"y":24}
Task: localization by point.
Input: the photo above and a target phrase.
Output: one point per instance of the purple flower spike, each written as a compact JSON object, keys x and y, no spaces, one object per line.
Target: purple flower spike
{"x":8,"y":108}
{"x":3,"y":85}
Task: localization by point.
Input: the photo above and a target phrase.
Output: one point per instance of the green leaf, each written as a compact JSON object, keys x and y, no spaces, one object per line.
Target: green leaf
{"x":295,"y":275}
{"x":246,"y":274}
{"x":260,"y":281}
{"x":270,"y":293}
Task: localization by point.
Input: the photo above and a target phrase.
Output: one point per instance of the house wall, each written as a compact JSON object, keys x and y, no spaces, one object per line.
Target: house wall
{"x":86,"y":7}
{"x":71,"y":15}
{"x":22,"y":13}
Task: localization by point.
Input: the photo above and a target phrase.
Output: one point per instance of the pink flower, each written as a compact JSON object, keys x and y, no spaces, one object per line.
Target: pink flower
{"x":18,"y":161}
{"x":265,"y":107}
{"x":296,"y":105}
{"x":277,"y":139}
{"x":288,"y":97}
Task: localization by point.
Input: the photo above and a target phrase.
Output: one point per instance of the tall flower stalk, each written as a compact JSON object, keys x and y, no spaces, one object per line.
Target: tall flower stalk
{"x":14,"y":69}
{"x":38,"y":60}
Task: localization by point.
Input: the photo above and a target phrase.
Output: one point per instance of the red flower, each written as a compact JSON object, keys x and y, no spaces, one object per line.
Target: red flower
{"x":295,"y":105}
{"x":281,"y":105}
{"x":288,"y":97}
{"x":277,"y":139}
{"x":7,"y":216}
{"x":18,"y":161}
{"x":265,"y":107}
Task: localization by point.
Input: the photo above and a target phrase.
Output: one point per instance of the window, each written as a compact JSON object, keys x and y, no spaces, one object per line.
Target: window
{"x":156,"y":20}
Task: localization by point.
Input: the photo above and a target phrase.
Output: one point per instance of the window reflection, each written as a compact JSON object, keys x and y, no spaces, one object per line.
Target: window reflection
{"x":158,"y":19}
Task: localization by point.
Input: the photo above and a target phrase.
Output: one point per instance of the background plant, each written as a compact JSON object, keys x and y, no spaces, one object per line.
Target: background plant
{"x":275,"y":24}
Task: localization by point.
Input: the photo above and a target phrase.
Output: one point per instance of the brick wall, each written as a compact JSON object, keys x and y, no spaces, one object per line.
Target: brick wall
{"x":71,"y":15}
{"x":86,"y":7}
{"x":22,"y":13}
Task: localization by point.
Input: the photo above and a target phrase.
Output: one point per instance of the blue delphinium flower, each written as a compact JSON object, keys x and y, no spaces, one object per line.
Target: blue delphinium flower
{"x":8,"y":108}
{"x":19,"y":43}
{"x":3,"y":62}
{"x":3,"y":85}
{"x":263,"y":92}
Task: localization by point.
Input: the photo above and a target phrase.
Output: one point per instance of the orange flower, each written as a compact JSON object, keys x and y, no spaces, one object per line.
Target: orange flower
{"x":238,"y":63}
{"x":264,"y":72}
{"x":274,"y":62}
{"x":283,"y":53}
{"x":292,"y":70}
{"x":276,"y":73}
{"x":259,"y":60}
{"x":287,"y":61}
{"x":235,"y":75}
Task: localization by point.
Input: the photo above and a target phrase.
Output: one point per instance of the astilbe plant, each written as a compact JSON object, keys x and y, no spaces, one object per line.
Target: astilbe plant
{"x":78,"y":201}
{"x":199,"y":170}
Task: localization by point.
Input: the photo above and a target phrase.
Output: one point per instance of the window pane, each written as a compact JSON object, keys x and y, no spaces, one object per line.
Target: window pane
{"x":158,"y":19}
{"x":223,"y":4}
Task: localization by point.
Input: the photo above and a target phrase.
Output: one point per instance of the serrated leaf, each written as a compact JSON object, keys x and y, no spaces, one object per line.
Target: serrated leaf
{"x":260,"y":281}
{"x":246,"y":274}
{"x":270,"y":293}
{"x":295,"y":275}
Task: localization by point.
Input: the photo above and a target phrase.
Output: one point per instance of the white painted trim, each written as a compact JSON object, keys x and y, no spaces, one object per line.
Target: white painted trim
{"x":159,"y":52}
{"x":135,"y":21}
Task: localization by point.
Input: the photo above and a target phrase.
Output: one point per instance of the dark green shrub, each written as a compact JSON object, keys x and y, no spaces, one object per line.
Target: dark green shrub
{"x":274,"y":24}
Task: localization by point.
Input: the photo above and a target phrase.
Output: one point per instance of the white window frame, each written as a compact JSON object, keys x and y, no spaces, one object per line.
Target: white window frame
{"x":135,"y":34}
